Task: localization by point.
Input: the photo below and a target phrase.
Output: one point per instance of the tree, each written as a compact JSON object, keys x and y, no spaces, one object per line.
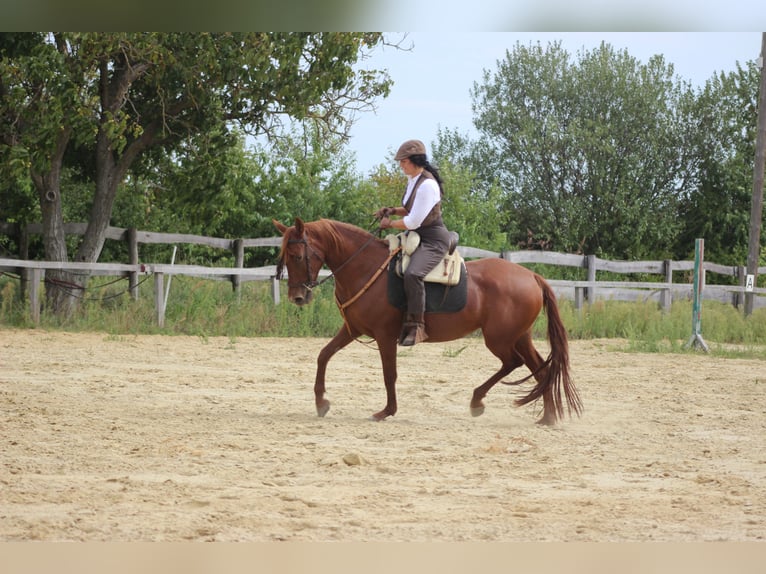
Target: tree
{"x":592,"y":153}
{"x":119,"y":95}
{"x":718,"y":207}
{"x":40,"y":110}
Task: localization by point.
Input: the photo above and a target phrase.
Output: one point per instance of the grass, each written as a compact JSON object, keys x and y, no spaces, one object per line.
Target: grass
{"x":208,"y":308}
{"x":195,"y":306}
{"x":647,"y":328}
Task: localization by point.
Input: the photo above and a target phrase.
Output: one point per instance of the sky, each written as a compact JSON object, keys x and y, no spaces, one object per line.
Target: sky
{"x":432,"y":81}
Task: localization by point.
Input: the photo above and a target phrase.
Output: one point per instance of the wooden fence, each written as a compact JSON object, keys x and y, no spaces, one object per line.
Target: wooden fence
{"x":664,"y":291}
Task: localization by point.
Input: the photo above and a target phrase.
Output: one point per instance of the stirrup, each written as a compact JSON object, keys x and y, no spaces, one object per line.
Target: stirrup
{"x":412,"y":333}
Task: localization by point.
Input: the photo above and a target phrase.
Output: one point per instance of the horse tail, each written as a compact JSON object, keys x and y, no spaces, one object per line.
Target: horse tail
{"x":556,"y":376}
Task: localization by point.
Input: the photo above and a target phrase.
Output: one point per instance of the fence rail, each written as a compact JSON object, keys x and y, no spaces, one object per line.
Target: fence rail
{"x":663,"y":291}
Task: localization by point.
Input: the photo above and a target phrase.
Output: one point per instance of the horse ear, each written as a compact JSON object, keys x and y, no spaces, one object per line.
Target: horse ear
{"x":299,"y":226}
{"x":280,"y":227}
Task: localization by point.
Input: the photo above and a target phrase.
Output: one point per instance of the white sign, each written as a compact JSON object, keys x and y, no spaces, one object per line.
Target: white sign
{"x":749,"y":283}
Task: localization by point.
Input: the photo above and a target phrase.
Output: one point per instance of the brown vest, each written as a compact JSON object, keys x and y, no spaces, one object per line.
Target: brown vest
{"x":434,"y":217}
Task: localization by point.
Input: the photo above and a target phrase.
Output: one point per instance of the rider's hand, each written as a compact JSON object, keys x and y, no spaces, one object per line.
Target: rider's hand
{"x":384,"y":212}
{"x":385,"y":223}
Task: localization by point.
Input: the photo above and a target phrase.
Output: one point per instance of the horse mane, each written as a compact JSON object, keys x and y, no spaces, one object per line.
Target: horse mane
{"x":329,"y":229}
{"x":336,"y":232}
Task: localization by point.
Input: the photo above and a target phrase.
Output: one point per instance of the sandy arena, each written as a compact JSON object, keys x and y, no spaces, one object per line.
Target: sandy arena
{"x":156,"y":438}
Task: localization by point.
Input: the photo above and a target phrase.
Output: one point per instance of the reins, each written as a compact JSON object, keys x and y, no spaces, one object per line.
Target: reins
{"x":342,"y":306}
{"x":311,"y":285}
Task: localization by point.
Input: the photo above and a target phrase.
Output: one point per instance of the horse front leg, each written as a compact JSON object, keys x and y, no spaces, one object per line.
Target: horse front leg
{"x":340,"y":340}
{"x":387,"y":349}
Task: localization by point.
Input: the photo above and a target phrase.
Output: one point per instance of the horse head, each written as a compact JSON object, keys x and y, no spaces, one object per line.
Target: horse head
{"x":302,"y":261}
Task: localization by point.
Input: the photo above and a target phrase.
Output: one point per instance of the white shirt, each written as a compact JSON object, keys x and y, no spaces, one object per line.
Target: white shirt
{"x":427,"y":196}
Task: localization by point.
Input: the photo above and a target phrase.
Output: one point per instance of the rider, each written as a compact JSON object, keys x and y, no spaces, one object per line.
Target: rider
{"x":420,"y":211}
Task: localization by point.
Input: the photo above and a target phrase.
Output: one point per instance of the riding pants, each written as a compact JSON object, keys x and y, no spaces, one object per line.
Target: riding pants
{"x":434,"y":243}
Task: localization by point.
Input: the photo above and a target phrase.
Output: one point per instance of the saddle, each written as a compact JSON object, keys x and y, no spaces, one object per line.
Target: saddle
{"x":447,"y":272}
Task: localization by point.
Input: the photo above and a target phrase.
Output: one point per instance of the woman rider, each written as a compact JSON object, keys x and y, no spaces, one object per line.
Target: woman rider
{"x":420,"y":211}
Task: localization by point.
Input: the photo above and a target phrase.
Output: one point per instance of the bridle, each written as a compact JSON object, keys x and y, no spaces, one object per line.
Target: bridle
{"x":311,"y":284}
{"x":308,"y":252}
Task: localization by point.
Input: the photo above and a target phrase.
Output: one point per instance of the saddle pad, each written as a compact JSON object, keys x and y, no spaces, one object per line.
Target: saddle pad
{"x":446,"y":271}
{"x":439,"y":298}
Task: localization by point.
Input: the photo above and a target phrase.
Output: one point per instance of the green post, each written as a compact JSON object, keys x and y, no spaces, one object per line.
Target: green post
{"x":696,"y":339}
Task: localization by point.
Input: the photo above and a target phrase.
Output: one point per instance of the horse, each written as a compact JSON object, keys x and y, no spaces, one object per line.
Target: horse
{"x":503,"y":301}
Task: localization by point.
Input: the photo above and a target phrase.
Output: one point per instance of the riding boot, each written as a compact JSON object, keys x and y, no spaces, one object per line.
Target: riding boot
{"x":413,"y":330}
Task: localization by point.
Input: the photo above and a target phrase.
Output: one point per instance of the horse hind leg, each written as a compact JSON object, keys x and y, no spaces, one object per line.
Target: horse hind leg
{"x":522,"y":353}
{"x":534,"y":361}
{"x":477,"y":400}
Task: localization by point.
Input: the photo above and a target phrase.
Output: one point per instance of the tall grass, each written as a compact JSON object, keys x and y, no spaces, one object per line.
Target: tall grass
{"x":648,"y":328}
{"x":207,"y":308}
{"x":195,"y":306}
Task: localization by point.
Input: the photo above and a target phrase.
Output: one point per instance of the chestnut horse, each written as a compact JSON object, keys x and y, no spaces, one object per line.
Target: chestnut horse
{"x":503,"y":300}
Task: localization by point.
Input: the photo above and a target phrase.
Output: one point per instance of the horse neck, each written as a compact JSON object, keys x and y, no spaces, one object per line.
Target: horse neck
{"x":353,"y":258}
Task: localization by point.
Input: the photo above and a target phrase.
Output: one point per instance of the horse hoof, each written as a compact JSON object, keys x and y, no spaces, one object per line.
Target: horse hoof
{"x":477,"y":411}
{"x":323,"y":408}
{"x":378,"y":417}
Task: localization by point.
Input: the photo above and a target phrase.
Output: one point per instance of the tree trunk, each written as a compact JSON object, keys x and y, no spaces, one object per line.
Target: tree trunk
{"x":111,"y":167}
{"x":61,"y":286}
{"x":107,"y":180}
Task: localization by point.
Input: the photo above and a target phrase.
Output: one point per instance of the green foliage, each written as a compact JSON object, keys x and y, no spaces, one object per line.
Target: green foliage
{"x":100,"y":104}
{"x":718,"y":207}
{"x":592,"y":153}
{"x":234,"y":191}
{"x":306,"y":177}
{"x":471,"y":206}
{"x":194,"y":307}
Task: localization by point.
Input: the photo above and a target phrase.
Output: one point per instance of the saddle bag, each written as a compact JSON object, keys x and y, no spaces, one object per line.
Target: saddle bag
{"x":447,"y":272}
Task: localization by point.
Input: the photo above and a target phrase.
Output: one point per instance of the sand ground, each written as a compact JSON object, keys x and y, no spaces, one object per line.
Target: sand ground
{"x":156,"y":438}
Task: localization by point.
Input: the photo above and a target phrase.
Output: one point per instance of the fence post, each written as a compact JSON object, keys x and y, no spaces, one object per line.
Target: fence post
{"x":275,"y":290}
{"x":590,"y":292}
{"x":696,"y":339}
{"x":133,"y":253}
{"x":159,"y":297}
{"x":578,"y":297}
{"x":23,"y":255}
{"x":666,"y":296}
{"x":36,"y":277}
{"x":239,"y":262}
{"x":738,"y":298}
